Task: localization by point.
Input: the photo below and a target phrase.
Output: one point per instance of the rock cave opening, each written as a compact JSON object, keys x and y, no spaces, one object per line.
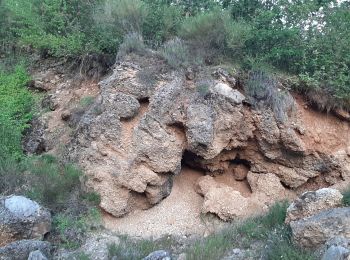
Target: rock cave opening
{"x":225,"y":171}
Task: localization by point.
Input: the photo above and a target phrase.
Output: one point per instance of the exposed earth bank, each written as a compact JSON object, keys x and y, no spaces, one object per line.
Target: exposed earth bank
{"x":165,"y":148}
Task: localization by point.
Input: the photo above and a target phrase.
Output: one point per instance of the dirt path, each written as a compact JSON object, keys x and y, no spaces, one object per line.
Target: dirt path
{"x":179,"y":214}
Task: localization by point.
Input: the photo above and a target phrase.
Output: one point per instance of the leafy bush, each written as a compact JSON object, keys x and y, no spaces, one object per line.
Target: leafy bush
{"x":133,"y":42}
{"x":52,"y":183}
{"x":16,"y":110}
{"x":176,"y":53}
{"x":161,"y":22}
{"x":70,"y":229}
{"x":263,"y":91}
{"x":206,"y":31}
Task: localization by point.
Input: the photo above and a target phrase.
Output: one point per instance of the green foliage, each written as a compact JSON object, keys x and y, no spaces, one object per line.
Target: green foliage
{"x":203,"y":87}
{"x":161,"y":22}
{"x":70,"y":229}
{"x":346,"y":197}
{"x":138,"y":248}
{"x":86,"y":101}
{"x":241,"y":234}
{"x":206,"y":30}
{"x":264,"y":92}
{"x":15,"y":105}
{"x":52,"y":183}
{"x":176,"y":53}
{"x":132,"y":43}
{"x":281,"y":247}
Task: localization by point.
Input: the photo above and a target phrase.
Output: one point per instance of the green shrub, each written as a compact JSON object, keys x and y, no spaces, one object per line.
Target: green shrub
{"x":86,"y":101}
{"x":138,"y":248}
{"x":176,"y":53}
{"x":16,"y":110}
{"x":52,"y":183}
{"x":11,"y":176}
{"x":71,"y":229}
{"x":133,"y":43}
{"x":263,"y":92}
{"x":206,"y":31}
{"x":346,"y":197}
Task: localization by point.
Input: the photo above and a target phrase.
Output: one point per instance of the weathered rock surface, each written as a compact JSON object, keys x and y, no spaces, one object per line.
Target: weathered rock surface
{"x":337,"y":248}
{"x":221,"y":199}
{"x":22,"y":249}
{"x":313,"y":202}
{"x":22,"y":218}
{"x":314,"y":231}
{"x":132,"y":140}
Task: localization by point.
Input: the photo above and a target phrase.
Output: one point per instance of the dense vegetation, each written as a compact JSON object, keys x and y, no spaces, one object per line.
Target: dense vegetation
{"x":307,"y":39}
{"x":42,"y":178}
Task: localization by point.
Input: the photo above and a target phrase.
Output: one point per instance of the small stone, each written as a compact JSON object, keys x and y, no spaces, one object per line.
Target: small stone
{"x":190,"y":75}
{"x":240,"y":172}
{"x":236,"y":251}
{"x":158,"y":255}
{"x":66,"y":115}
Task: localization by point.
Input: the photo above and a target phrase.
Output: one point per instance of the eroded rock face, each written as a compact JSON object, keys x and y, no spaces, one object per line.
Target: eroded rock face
{"x":313,"y":202}
{"x":22,"y":218}
{"x":314,"y":231}
{"x":132,"y":140}
{"x":21,"y":250}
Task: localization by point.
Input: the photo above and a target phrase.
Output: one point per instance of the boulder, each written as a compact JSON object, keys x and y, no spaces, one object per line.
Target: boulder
{"x":268,"y":185}
{"x":314,"y":231}
{"x":22,"y":218}
{"x":337,"y":248}
{"x":21,"y":250}
{"x":220,"y":199}
{"x":336,"y":253}
{"x":158,"y":255}
{"x":226,"y":91}
{"x":313,"y":202}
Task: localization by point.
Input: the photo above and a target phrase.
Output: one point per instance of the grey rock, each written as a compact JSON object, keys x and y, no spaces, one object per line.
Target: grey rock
{"x":21,"y":207}
{"x":336,"y":253}
{"x":22,"y":218}
{"x":37,"y":255}
{"x":314,"y":231}
{"x":21,"y":250}
{"x":158,"y":255}
{"x":226,"y":91}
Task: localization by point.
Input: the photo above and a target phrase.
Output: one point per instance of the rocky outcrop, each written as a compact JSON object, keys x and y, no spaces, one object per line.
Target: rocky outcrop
{"x":133,"y":139}
{"x":22,"y":218}
{"x":315,"y":217}
{"x":313,"y":202}
{"x":337,"y":248}
{"x":21,"y":250}
{"x":314,"y":231}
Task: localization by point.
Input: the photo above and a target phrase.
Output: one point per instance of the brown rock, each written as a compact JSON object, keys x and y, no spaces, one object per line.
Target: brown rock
{"x":313,"y":202}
